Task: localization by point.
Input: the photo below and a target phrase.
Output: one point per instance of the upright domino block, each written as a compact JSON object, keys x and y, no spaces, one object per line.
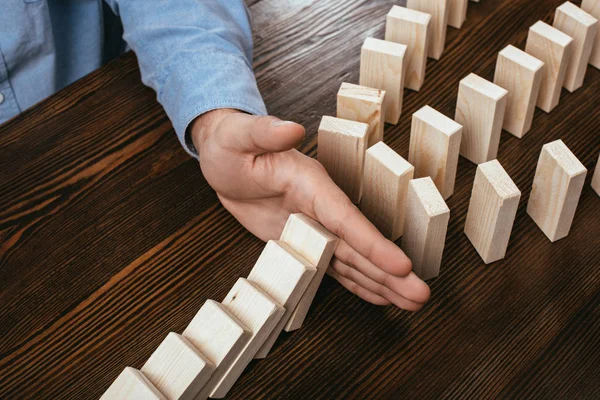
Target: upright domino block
{"x":425,"y":227}
{"x":341,"y":150}
{"x":260,"y":313}
{"x":592,"y":7}
{"x":434,"y":148}
{"x":557,"y":185}
{"x":438,"y":9}
{"x":382,"y":67}
{"x":521,"y":75}
{"x":317,"y":245}
{"x":410,"y":27}
{"x":457,"y":12}
{"x":596,"y":178}
{"x":385,"y":186}
{"x":480,"y":110}
{"x":131,"y":384}
{"x":177,"y":368}
{"x":492,"y":211}
{"x":582,"y":27}
{"x":363,"y":104}
{"x":553,"y":48}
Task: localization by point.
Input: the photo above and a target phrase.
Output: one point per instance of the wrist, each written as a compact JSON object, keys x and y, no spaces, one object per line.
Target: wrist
{"x":204,"y":125}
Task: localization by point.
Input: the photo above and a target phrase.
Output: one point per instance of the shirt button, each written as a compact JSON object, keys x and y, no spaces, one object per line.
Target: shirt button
{"x":1,"y":98}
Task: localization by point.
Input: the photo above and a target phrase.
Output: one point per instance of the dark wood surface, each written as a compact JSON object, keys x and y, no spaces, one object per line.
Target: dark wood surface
{"x":110,"y":237}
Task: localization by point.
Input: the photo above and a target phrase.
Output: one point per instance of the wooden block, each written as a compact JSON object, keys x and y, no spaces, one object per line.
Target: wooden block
{"x":284,"y":275}
{"x":317,"y":245}
{"x":457,"y":12}
{"x":596,"y":178}
{"x":260,"y":313}
{"x":177,"y":368}
{"x":521,"y":75}
{"x":341,"y":150}
{"x":558,"y":181}
{"x":592,"y":7}
{"x":385,"y":186}
{"x":363,"y":104}
{"x":438,"y":9}
{"x":425,"y":227}
{"x":434,"y":147}
{"x":553,"y":48}
{"x":492,"y":211}
{"x":410,"y":27}
{"x":131,"y":384}
{"x":480,"y":110}
{"x":582,"y":27}
{"x":382,"y":67}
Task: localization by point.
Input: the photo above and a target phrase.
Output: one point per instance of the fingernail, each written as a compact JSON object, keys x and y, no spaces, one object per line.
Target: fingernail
{"x":279,"y":122}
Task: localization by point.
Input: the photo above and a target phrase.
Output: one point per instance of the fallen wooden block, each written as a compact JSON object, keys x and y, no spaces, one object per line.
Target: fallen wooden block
{"x":492,"y":210}
{"x":557,"y":185}
{"x":438,"y":9}
{"x":317,"y":245}
{"x":363,"y":104}
{"x":457,"y":12}
{"x":341,"y":150}
{"x":596,"y":178}
{"x":582,"y":27}
{"x":521,"y":75}
{"x":410,"y":27}
{"x":480,"y":109}
{"x":425,"y":227}
{"x":382,"y":67}
{"x":384,"y":189}
{"x":434,"y":148}
{"x":131,"y":384}
{"x":592,"y":7}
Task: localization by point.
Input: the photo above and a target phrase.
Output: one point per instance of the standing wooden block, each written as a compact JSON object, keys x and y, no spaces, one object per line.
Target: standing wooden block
{"x":557,"y":185}
{"x":457,"y":12}
{"x":363,"y":104}
{"x":425,"y":227}
{"x":480,"y":110}
{"x":553,"y":48}
{"x":341,"y":150}
{"x":592,"y":7}
{"x":131,"y":384}
{"x":596,"y":178}
{"x":434,"y":148}
{"x":317,"y":245}
{"x":177,"y":368}
{"x":410,"y":27}
{"x":582,"y":27}
{"x":382,"y":67}
{"x":492,"y":211}
{"x":385,"y":186}
{"x":521,"y":75}
{"x":438,"y":9}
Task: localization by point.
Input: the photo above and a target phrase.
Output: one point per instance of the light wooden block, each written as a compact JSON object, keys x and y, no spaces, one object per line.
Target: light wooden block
{"x":410,"y":27}
{"x":317,"y":245}
{"x":582,"y":27}
{"x":341,"y":150}
{"x":596,"y":178}
{"x":434,"y":148}
{"x":284,"y":275}
{"x":557,"y":185}
{"x":592,"y":7}
{"x":521,"y":75}
{"x":384,"y":189}
{"x":131,"y":384}
{"x":425,"y":227}
{"x":480,"y":109}
{"x":177,"y":368}
{"x":260,"y":313}
{"x":363,"y":104}
{"x":553,"y":48}
{"x":457,"y":12}
{"x":382,"y":67}
{"x":438,"y":9}
{"x":492,"y":210}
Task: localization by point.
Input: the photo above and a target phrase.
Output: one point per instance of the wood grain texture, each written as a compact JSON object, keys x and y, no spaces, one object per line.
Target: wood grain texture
{"x":363,"y":104}
{"x":110,"y":237}
{"x":438,"y":9}
{"x":131,"y":384}
{"x":596,"y":177}
{"x":457,"y":12}
{"x":592,"y":7}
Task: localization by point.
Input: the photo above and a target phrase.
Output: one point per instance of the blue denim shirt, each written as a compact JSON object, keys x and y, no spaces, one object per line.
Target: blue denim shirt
{"x":196,"y":55}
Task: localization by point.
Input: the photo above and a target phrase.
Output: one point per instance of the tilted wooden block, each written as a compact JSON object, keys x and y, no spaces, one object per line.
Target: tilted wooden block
{"x":557,"y":185}
{"x":317,"y":245}
{"x":582,"y":27}
{"x":457,"y":12}
{"x":592,"y":7}
{"x":553,"y":48}
{"x":284,"y":274}
{"x":434,"y":147}
{"x":131,"y":384}
{"x":410,"y":27}
{"x":596,"y":178}
{"x":492,"y":211}
{"x":438,"y":9}
{"x":425,"y":227}
{"x":363,"y":104}
{"x":384,"y":189}
{"x":480,"y":110}
{"x":521,"y":75}
{"x":341,"y":150}
{"x":382,"y":67}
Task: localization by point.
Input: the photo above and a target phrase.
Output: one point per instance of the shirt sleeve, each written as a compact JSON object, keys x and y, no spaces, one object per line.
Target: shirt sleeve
{"x":196,"y":55}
